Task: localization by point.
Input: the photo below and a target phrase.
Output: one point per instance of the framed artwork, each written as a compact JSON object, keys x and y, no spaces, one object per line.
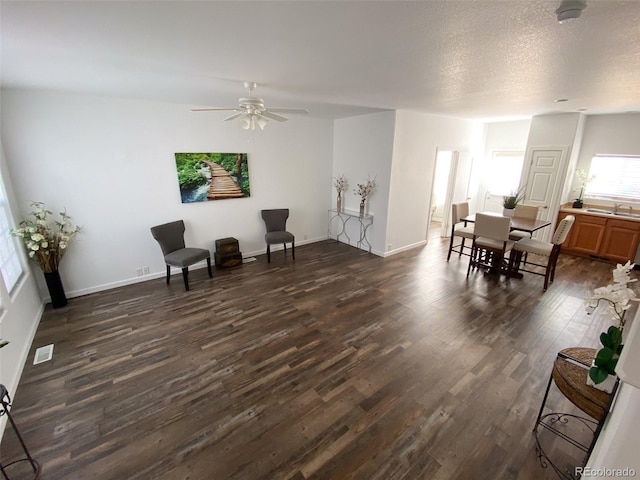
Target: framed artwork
{"x":212,"y":176}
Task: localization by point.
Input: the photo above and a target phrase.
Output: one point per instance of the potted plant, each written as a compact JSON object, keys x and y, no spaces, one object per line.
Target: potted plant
{"x":582,"y":176}
{"x":46,"y":242}
{"x":364,"y":190}
{"x":341,"y":184}
{"x":602,"y":374}
{"x":510,"y":201}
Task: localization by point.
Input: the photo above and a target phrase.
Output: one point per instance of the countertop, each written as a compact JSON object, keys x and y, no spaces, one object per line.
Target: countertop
{"x":623,"y":214}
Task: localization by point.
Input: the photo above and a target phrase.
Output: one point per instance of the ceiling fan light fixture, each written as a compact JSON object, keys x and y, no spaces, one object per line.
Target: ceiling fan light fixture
{"x":570,"y":10}
{"x":252,"y":110}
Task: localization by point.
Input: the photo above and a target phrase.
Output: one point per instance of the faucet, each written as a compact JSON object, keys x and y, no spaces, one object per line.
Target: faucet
{"x":616,"y":206}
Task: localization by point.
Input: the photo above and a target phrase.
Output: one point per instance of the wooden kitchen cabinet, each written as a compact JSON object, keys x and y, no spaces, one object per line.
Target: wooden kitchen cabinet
{"x":600,"y":236}
{"x":621,"y":240}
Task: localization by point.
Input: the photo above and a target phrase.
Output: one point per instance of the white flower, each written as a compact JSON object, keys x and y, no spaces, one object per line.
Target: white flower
{"x":621,"y":274}
{"x":46,"y":240}
{"x":618,"y":295}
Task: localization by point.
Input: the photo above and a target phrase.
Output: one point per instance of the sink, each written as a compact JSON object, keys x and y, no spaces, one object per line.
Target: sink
{"x":624,"y":214}
{"x":598,"y":210}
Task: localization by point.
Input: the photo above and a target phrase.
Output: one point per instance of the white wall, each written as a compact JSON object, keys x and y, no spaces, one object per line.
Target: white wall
{"x":608,"y":134}
{"x":416,"y":140}
{"x":20,"y":313}
{"x":110,"y":163}
{"x":617,"y":446}
{"x":363,"y":146}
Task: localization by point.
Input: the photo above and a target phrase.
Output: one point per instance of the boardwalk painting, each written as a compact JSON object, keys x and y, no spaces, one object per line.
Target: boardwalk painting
{"x":212,"y":176}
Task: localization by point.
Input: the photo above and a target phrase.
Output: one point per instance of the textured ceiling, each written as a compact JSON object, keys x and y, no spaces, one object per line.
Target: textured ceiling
{"x":471,"y":59}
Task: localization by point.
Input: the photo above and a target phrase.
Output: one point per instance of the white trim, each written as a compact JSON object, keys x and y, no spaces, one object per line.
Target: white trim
{"x":422,"y":243}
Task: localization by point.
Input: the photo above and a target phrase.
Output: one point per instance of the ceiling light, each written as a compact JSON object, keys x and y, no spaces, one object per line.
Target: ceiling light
{"x":570,"y":10}
{"x":262,"y":122}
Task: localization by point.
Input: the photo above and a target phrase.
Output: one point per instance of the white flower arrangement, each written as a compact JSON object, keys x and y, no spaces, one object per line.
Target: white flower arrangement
{"x":584,"y":180}
{"x":618,"y":297}
{"x":46,"y":241}
{"x":340,"y":183}
{"x":365,"y":189}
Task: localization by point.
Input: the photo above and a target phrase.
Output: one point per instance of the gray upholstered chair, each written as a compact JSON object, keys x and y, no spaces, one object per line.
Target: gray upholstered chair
{"x":170,"y":236}
{"x":276,"y":222}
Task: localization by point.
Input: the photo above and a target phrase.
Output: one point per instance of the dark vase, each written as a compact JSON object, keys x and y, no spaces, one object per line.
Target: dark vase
{"x":56,"y":289}
{"x":577,"y":204}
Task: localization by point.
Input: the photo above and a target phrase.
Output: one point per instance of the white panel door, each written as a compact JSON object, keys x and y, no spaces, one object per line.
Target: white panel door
{"x":544,"y":182}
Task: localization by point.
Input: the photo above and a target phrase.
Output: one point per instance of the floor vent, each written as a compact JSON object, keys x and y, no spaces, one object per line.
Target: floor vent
{"x":43,"y":354}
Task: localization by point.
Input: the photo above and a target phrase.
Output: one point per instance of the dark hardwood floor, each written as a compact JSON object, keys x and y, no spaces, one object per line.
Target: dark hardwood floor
{"x":340,"y":365}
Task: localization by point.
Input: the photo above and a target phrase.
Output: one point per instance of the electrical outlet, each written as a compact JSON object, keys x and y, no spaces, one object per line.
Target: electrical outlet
{"x":145,"y":270}
{"x":139,"y":272}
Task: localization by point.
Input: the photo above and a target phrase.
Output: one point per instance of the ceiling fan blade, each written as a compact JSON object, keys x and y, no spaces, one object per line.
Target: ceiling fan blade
{"x":214,"y":109}
{"x":273,"y":116}
{"x":234,"y":116}
{"x":298,"y":111}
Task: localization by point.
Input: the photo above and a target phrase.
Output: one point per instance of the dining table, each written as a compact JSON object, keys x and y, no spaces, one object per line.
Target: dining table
{"x":529,"y":225}
{"x":517,"y":223}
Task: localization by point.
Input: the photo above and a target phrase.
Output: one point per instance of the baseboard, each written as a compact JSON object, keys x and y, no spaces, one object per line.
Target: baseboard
{"x":405,"y":248}
{"x":162,"y":274}
{"x":12,"y":386}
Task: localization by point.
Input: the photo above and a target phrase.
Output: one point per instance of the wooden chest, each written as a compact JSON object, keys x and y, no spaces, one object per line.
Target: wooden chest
{"x":227,"y":254}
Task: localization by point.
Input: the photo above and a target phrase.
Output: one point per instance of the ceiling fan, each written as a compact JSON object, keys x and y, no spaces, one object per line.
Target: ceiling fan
{"x":251,"y":110}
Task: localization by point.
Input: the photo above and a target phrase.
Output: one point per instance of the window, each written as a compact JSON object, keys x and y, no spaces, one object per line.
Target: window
{"x":504,"y":172}
{"x":616,"y":177}
{"x":10,"y":265}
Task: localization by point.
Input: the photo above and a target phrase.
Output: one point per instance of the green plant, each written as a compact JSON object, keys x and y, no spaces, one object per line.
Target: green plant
{"x":618,"y":295}
{"x":46,"y":241}
{"x":514,"y":198}
{"x":607,"y":357}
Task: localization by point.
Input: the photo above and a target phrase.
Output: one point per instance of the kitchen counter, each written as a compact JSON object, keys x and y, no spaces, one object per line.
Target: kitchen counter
{"x":604,"y":212}
{"x":598,"y":232}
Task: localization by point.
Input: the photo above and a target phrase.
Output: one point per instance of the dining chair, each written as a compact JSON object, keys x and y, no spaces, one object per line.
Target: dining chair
{"x":170,"y":236}
{"x":275,"y":221}
{"x":458,"y":212}
{"x":523,"y":211}
{"x":490,"y":242}
{"x":551,"y":250}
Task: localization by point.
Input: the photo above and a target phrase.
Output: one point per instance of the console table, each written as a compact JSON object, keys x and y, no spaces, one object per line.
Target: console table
{"x":569,"y":373}
{"x":340,"y":219}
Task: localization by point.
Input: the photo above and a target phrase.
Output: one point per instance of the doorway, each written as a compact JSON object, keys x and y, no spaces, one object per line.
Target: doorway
{"x":450,"y":185}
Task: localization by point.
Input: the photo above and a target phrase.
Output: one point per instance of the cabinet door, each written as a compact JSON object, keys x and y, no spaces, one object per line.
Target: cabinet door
{"x":588,"y":234}
{"x":621,"y":240}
